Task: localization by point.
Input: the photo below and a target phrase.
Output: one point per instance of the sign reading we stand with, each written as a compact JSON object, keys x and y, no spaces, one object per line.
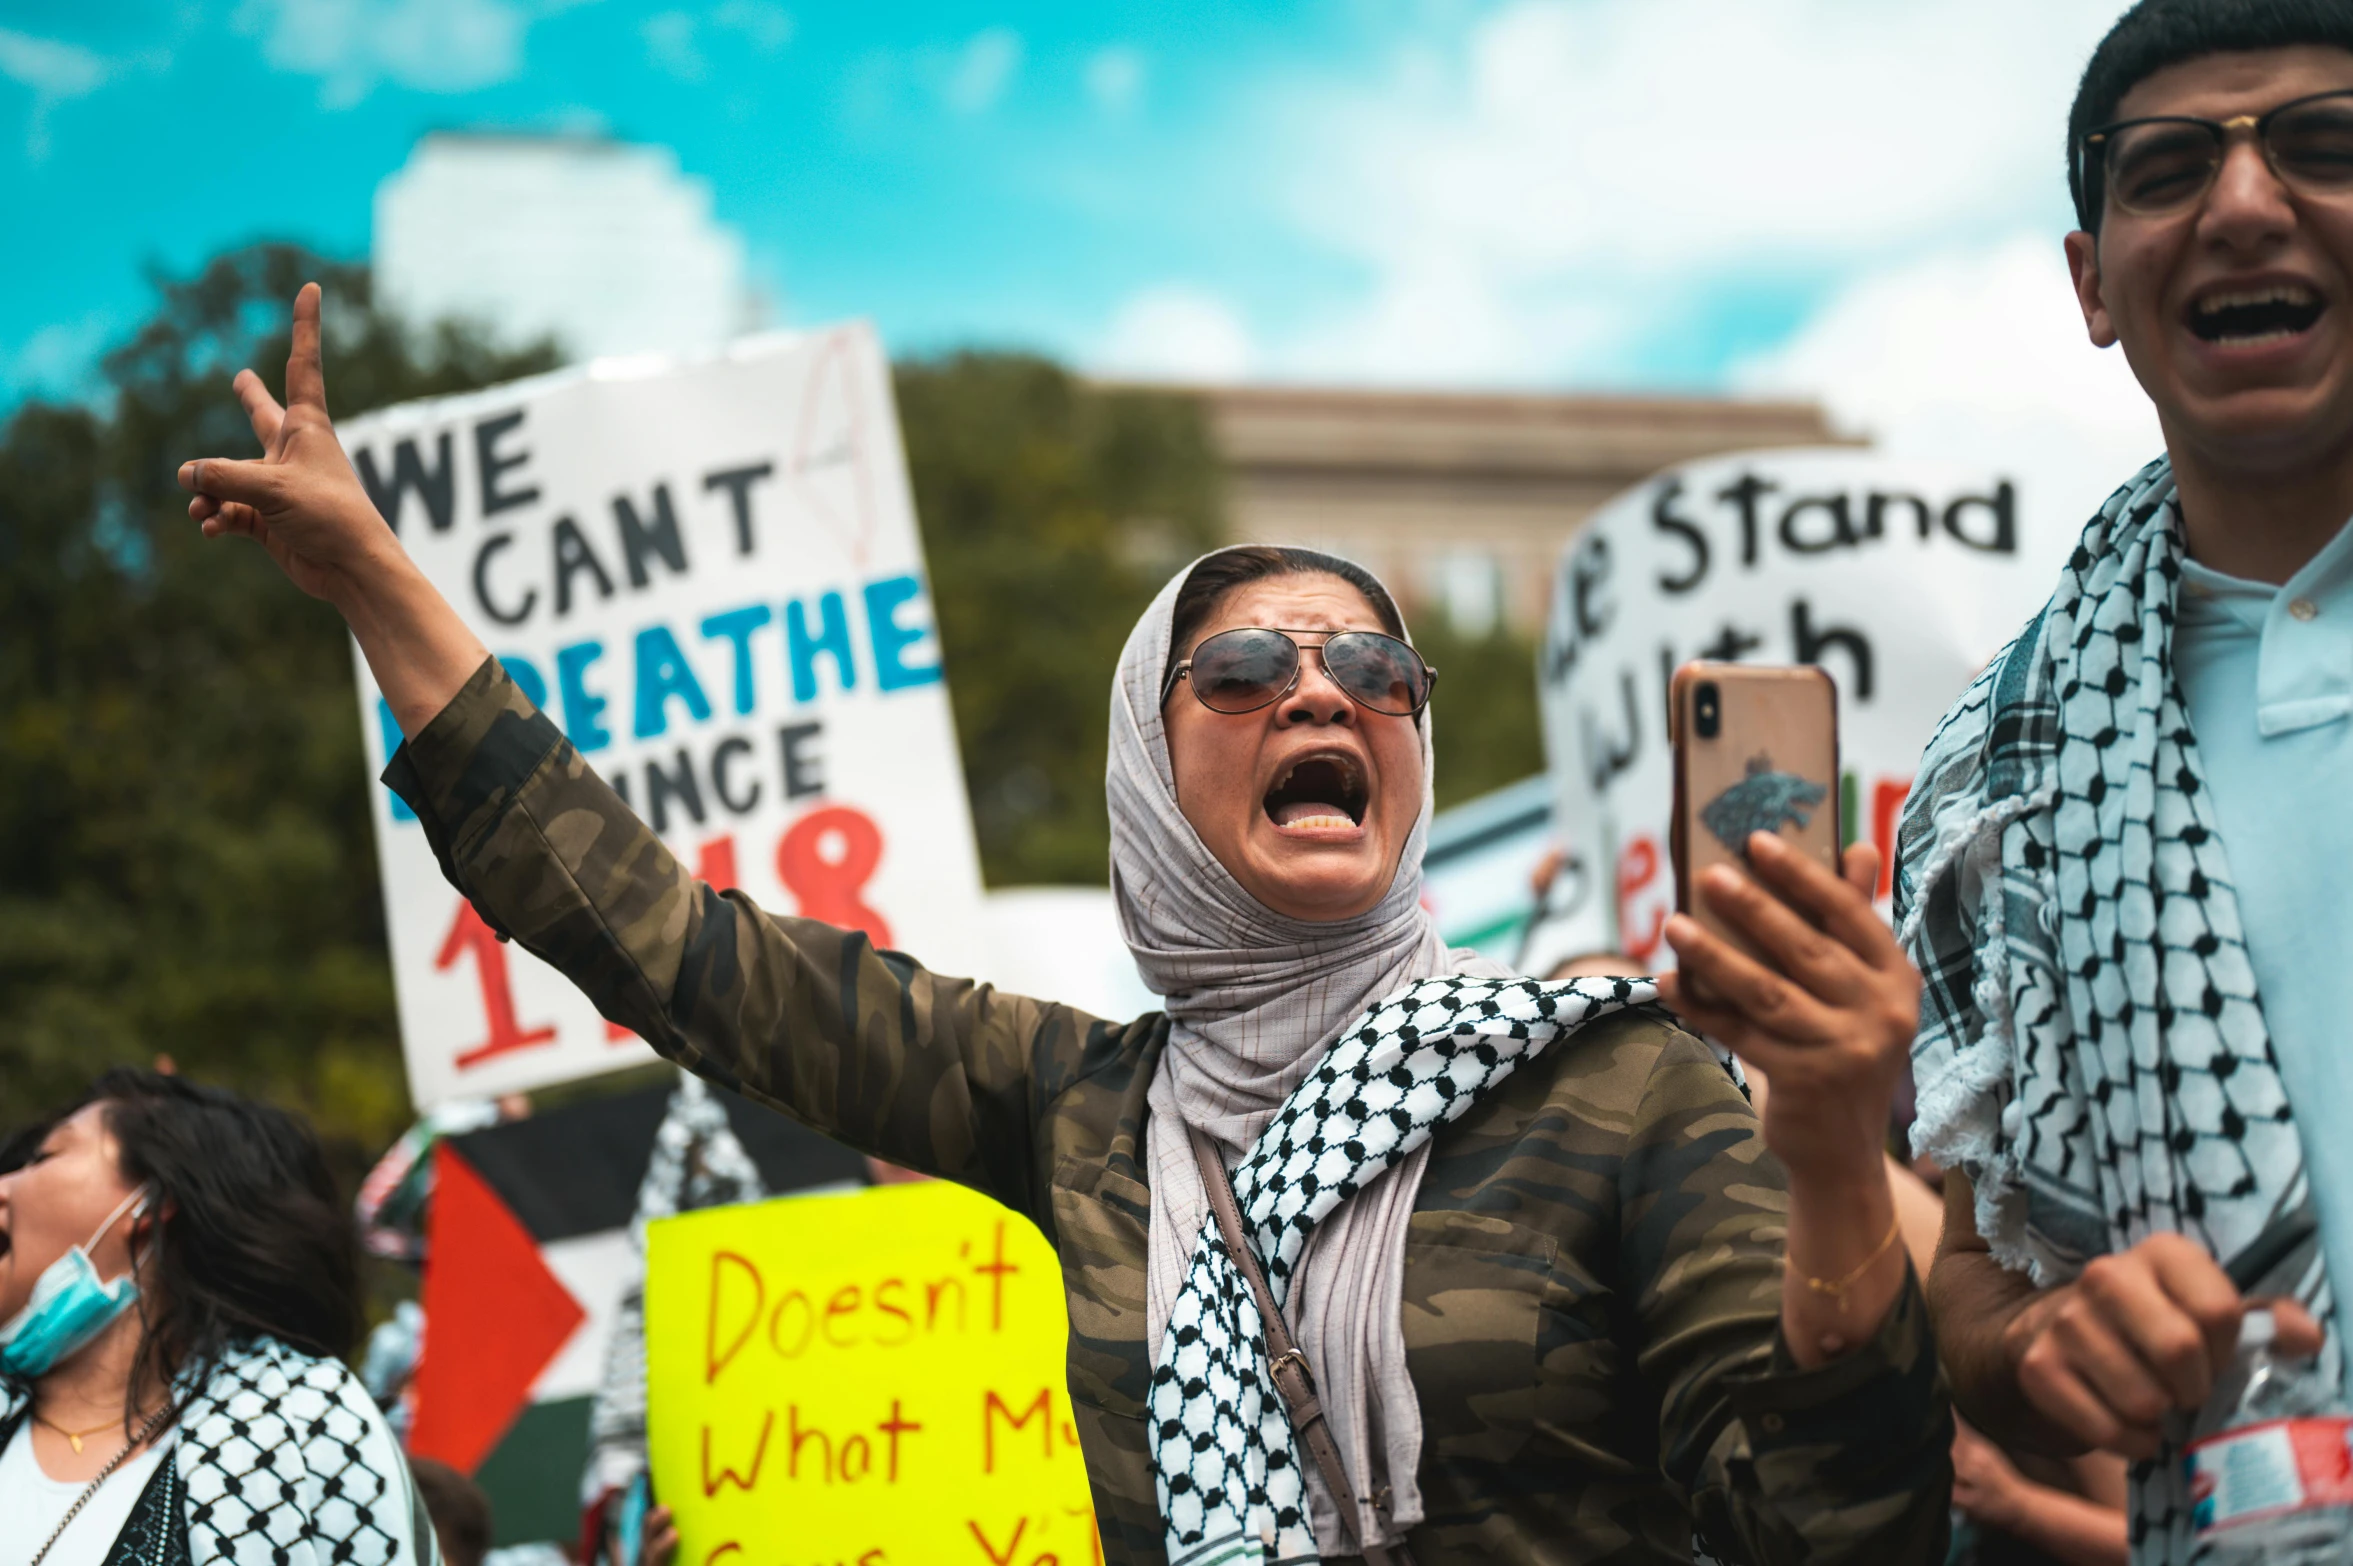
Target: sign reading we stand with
{"x":1902,"y":577}
{"x":875,"y":1378}
{"x":708,"y":575}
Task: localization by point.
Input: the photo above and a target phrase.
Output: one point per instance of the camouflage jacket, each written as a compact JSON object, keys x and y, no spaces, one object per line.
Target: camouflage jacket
{"x":1593,"y":1269}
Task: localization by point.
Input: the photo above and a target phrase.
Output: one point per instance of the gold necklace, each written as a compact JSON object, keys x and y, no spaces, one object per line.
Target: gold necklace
{"x":75,"y":1436}
{"x":155,"y":1422}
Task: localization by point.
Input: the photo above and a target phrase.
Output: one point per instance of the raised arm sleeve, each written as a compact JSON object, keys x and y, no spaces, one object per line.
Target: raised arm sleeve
{"x":1846,"y":1462}
{"x":942,"y":1075}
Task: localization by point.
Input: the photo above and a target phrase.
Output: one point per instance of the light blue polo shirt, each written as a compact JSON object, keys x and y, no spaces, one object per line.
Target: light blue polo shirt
{"x":2268,"y":676}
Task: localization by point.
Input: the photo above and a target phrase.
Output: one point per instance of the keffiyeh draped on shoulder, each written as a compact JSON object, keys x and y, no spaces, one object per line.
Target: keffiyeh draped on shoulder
{"x":1254,"y":1000}
{"x":2092,"y":1050}
{"x":1231,"y":1473}
{"x":284,"y":1460}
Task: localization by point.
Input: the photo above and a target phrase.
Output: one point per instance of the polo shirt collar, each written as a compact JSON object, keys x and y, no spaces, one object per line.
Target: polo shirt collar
{"x":2306,"y":625}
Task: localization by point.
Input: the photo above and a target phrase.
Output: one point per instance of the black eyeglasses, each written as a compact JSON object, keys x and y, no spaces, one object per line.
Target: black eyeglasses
{"x":2166,"y":163}
{"x":1243,"y":670}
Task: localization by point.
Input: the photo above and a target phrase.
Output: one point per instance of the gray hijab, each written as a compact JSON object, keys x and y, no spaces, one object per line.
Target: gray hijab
{"x":1255,"y":999}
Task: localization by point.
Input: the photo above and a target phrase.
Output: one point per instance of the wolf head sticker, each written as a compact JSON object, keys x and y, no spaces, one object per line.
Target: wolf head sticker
{"x":1763,"y":801}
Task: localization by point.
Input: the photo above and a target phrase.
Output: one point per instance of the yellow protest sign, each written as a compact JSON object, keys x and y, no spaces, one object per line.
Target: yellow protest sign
{"x":866,"y":1379}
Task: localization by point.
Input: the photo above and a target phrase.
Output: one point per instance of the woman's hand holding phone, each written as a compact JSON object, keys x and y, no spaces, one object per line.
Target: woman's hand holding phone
{"x":1827,"y":1016}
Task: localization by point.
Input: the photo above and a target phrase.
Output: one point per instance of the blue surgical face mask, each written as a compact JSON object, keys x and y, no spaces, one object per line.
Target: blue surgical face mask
{"x":69,"y":1306}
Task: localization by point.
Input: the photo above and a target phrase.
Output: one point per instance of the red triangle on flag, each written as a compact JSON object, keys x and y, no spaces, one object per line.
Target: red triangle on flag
{"x":494,"y":1317}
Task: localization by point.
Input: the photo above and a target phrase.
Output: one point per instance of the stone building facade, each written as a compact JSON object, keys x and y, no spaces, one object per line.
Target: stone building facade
{"x":1462,"y":501}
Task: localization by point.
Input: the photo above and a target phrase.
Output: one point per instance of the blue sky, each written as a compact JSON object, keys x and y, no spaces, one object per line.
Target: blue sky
{"x":938,"y":168}
{"x":1855,"y":199}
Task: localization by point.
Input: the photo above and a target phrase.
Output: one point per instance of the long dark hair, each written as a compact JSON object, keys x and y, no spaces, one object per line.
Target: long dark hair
{"x":250,"y":1238}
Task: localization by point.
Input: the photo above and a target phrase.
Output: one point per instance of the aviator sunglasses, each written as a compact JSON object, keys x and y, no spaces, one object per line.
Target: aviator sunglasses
{"x":2164,"y":164}
{"x":1243,"y":670}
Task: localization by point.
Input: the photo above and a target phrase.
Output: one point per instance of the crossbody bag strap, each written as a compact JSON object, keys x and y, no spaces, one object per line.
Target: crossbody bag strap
{"x":1288,"y":1366}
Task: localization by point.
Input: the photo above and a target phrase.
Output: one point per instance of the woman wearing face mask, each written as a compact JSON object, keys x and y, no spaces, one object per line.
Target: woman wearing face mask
{"x":178,"y":1287}
{"x":1527,"y":1237}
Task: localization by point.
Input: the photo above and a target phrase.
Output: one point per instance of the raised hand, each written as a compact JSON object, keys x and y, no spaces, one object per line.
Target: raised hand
{"x":300,"y":500}
{"x":1988,"y":1489}
{"x":661,"y":1538}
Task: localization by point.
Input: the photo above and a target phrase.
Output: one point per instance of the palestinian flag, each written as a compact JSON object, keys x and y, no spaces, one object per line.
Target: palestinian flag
{"x":526,"y":1260}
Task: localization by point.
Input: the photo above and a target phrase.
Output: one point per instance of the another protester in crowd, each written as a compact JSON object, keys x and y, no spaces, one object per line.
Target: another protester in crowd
{"x":178,"y":1288}
{"x":458,"y":1508}
{"x":388,"y":1365}
{"x":1546,"y":1308}
{"x":2026,"y":1508}
{"x":397,"y":1193}
{"x":1593,"y":965}
{"x":657,"y":1542}
{"x":1559,"y":887}
{"x":2124,"y":862}
{"x":697,"y":1163}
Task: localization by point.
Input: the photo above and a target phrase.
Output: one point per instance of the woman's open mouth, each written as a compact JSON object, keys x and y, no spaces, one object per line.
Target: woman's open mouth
{"x":1320,"y":793}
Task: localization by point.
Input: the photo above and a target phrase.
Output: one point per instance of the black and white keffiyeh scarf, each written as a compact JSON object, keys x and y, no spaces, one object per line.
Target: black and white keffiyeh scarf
{"x":1231,"y":1484}
{"x":2092,"y":1050}
{"x":284,"y":1460}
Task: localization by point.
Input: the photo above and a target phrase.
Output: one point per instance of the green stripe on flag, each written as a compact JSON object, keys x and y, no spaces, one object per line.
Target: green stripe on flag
{"x":533,"y":1475}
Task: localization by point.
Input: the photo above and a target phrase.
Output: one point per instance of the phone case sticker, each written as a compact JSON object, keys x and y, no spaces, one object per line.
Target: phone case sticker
{"x":1763,"y":801}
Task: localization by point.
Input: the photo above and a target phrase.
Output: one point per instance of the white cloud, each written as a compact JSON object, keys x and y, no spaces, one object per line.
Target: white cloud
{"x":1435,"y":318}
{"x":1115,"y":79}
{"x":442,"y":46}
{"x":1173,"y":332}
{"x":1637,"y":132}
{"x":49,"y":67}
{"x":1973,"y":352}
{"x":765,"y":27}
{"x":670,"y":45}
{"x":978,"y":74}
{"x":55,"y":71}
{"x":1565,"y":179}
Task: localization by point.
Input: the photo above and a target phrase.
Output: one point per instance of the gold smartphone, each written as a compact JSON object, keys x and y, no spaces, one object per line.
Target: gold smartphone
{"x":1756,"y":750}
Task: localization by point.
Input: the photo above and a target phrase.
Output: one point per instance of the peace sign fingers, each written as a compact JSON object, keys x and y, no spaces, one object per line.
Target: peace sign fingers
{"x":301,"y":499}
{"x":306,"y":376}
{"x":261,"y":409}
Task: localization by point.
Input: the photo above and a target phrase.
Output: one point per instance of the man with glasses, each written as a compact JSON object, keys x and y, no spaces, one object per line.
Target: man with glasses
{"x":2124,"y":870}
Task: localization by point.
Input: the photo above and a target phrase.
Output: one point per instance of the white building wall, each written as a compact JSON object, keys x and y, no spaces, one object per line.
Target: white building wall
{"x":605,"y":245}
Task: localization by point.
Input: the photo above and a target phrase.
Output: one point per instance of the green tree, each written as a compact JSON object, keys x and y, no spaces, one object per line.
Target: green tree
{"x":1483,"y":715}
{"x":1052,"y":511}
{"x":186,"y":865}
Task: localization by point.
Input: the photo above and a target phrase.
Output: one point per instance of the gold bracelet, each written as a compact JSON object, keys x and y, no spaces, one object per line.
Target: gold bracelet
{"x":1838,"y":1288}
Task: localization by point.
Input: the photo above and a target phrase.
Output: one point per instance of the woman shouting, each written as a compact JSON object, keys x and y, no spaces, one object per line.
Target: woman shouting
{"x":1524,"y":1243}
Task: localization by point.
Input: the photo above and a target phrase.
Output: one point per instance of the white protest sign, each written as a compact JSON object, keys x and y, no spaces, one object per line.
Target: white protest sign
{"x":708,"y":575}
{"x":1901,"y":577}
